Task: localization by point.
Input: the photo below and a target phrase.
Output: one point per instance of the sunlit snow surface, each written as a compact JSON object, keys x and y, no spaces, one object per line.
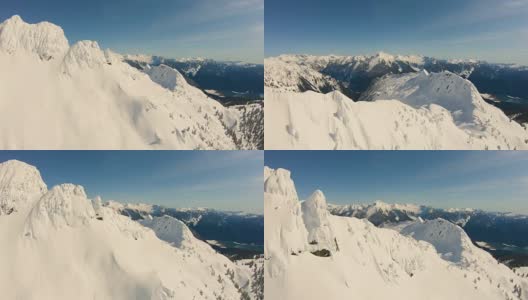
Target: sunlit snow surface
{"x":427,"y":260}
{"x":419,"y":110}
{"x":58,"y":244}
{"x":57,"y":96}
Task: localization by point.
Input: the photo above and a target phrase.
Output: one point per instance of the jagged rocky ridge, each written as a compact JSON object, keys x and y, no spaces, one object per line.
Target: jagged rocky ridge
{"x":366,"y":262}
{"x":81,"y":97}
{"x":415,"y":110}
{"x":88,"y":251}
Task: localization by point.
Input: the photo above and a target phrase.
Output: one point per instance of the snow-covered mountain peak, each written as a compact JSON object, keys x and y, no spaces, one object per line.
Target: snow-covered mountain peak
{"x":15,"y":170}
{"x":15,"y":19}
{"x":84,"y":54}
{"x":44,"y":39}
{"x":376,"y":263}
{"x":279,"y":182}
{"x":116,"y":106}
{"x":64,"y":205}
{"x":171,"y":230}
{"x":166,"y":76}
{"x":20,"y":185}
{"x":316,"y":200}
{"x":90,"y":251}
{"x":285,"y":233}
{"x":449,"y":240}
{"x":450,"y":91}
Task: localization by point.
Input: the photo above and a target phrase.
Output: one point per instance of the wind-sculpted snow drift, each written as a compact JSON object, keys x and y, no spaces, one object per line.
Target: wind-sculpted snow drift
{"x":55,"y":96}
{"x":310,"y":254}
{"x":417,"y":110}
{"x":58,"y":244}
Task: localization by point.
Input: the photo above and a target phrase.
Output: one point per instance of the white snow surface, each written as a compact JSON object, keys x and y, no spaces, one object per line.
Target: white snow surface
{"x":20,"y":185}
{"x":315,"y":216}
{"x":371,"y":262}
{"x":410,"y":111}
{"x":173,"y":231}
{"x":166,"y":76}
{"x":53,"y":96}
{"x":63,"y":245}
{"x":44,"y":39}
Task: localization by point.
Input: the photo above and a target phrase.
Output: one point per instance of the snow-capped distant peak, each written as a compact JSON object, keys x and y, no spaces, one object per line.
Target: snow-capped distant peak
{"x":45,"y":39}
{"x":378,"y":204}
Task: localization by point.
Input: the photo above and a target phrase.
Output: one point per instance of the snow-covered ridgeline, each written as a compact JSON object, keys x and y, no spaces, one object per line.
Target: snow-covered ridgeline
{"x":410,"y":111}
{"x":369,"y":262}
{"x":89,"y":251}
{"x":82,"y":97}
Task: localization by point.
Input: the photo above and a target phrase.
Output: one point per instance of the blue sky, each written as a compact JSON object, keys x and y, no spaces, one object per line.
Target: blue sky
{"x":493,"y":30}
{"x":227,"y":180}
{"x":220,"y":29}
{"x":489,"y":180}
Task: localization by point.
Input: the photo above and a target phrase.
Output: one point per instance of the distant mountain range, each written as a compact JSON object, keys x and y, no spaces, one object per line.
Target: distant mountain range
{"x":352,"y":75}
{"x":228,"y":82}
{"x":386,"y":102}
{"x":235,"y":234}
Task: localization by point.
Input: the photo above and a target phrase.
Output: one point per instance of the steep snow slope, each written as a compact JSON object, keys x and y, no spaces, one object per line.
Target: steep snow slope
{"x":165,"y":76}
{"x":281,"y":203}
{"x":255,"y":267}
{"x":454,"y":245}
{"x":449,"y":240}
{"x":412,"y":111}
{"x":55,"y":96}
{"x":369,"y":262}
{"x":177,"y":234}
{"x":65,"y":246}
